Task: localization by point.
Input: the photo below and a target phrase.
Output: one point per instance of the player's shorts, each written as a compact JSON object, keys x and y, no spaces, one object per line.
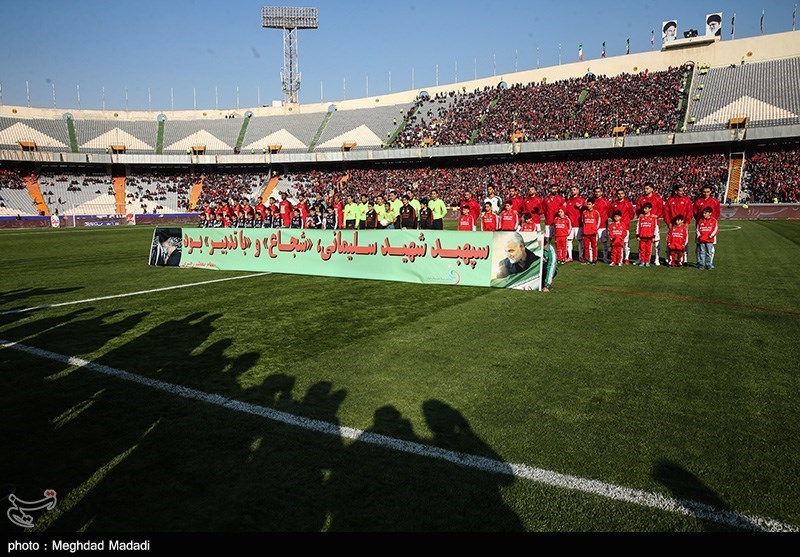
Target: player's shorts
{"x":575,"y":234}
{"x":602,"y":235}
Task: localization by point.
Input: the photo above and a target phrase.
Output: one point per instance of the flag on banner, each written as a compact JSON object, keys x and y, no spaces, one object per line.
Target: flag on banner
{"x":580,"y":52}
{"x":628,"y":45}
{"x":603,"y":54}
{"x":653,"y":37}
{"x":733,"y":26}
{"x":762,"y":21}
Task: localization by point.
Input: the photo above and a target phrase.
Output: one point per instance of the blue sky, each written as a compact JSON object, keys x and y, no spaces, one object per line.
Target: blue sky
{"x":202,"y":44}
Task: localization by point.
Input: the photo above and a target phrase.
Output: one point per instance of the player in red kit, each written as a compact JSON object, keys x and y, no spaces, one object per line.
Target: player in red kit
{"x":622,"y":204}
{"x":472,"y":204}
{"x":590,"y":227}
{"x":261,"y":211}
{"x":207,"y":217}
{"x":490,"y":221}
{"x":646,"y":230}
{"x":509,"y":219}
{"x":574,"y":207}
{"x":603,"y":206}
{"x":551,"y":204}
{"x":286,"y":210}
{"x":533,"y":206}
{"x":338,"y":206}
{"x":466,"y":222}
{"x":677,"y":240}
{"x":617,"y":235}
{"x":515,"y":199}
{"x":657,"y":203}
{"x":562,"y":226}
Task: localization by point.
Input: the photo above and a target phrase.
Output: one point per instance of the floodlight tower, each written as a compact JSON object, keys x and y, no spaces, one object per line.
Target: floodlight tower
{"x":290,"y":20}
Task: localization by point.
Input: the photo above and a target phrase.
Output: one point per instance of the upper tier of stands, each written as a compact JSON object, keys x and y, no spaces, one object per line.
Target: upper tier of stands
{"x":590,"y":106}
{"x":767,"y":93}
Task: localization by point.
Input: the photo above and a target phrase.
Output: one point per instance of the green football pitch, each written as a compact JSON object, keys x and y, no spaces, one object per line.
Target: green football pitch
{"x":628,"y":399}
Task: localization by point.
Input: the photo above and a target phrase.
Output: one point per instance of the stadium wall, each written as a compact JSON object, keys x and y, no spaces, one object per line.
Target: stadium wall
{"x":721,"y":53}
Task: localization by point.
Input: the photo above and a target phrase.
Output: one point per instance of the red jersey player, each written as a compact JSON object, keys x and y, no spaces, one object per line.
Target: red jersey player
{"x":515,"y":199}
{"x":509,"y":219}
{"x":603,"y":206}
{"x":466,"y":222}
{"x":261,"y":211}
{"x":286,"y":210}
{"x":707,"y":230}
{"x":657,"y":203}
{"x":574,"y":206}
{"x":590,"y":227}
{"x":679,"y":205}
{"x":551,"y":204}
{"x":472,"y":204}
{"x":617,"y":234}
{"x":705,"y":200}
{"x":646,"y":230}
{"x":533,"y":205}
{"x":677,"y":240}
{"x":562,"y":226}
{"x":622,"y":204}
{"x":490,"y":221}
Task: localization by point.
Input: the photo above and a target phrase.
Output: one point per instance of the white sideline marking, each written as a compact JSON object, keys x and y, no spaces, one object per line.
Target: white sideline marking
{"x":730,"y":229}
{"x":686,"y":507}
{"x":115,"y":296}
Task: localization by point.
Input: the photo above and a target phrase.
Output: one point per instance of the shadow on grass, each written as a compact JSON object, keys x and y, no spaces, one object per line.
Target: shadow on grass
{"x":129,"y":458}
{"x":20,"y":294}
{"x":686,"y":487}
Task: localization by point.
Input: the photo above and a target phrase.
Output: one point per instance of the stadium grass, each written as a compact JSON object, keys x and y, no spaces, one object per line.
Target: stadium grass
{"x":626,"y":375}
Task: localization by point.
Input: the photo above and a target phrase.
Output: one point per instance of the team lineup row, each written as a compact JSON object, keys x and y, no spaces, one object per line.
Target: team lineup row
{"x":574,"y":218}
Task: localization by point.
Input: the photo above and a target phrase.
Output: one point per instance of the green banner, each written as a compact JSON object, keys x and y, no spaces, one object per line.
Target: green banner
{"x":498,"y":260}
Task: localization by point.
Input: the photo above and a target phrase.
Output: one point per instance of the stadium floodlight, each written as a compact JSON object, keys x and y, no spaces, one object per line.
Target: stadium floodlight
{"x":290,"y":20}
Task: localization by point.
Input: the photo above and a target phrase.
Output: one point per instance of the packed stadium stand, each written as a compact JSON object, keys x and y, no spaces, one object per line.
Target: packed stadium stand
{"x":767,"y":93}
{"x":772,"y":175}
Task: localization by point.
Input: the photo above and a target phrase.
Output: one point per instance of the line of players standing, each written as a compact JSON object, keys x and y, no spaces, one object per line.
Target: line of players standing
{"x":592,"y":222}
{"x":394,"y":212}
{"x":599,"y":221}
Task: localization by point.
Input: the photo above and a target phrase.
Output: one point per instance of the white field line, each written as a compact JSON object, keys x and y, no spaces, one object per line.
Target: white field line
{"x":686,"y":507}
{"x":128,"y":295}
{"x":729,"y":228}
{"x":40,"y":231}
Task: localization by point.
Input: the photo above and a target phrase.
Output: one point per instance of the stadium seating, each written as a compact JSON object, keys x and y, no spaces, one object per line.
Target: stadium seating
{"x":217,"y":136}
{"x":294,"y":133}
{"x":773,"y":175}
{"x":96,"y":136}
{"x":766,"y":93}
{"x":157,"y":193}
{"x":452,"y":182}
{"x":368,"y":127}
{"x":78,"y":194}
{"x":49,"y":135}
{"x":14,"y":197}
